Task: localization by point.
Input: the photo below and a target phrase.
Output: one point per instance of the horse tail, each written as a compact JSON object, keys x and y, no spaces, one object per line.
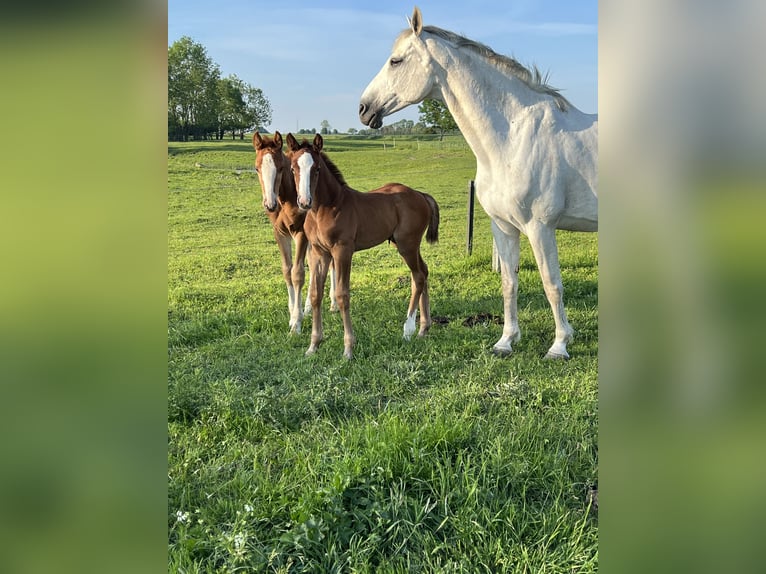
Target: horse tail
{"x":432,"y":233}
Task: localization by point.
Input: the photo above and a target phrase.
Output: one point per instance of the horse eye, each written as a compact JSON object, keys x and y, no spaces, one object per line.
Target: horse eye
{"x":396,"y":61}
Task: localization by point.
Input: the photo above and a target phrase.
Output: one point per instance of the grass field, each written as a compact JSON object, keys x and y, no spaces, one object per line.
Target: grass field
{"x":423,"y":456}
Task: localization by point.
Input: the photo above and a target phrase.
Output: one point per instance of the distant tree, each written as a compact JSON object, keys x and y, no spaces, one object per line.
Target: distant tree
{"x":258,"y":109}
{"x":400,"y":127}
{"x":231,"y":108}
{"x":325,"y":127}
{"x":192,"y":90}
{"x":201,"y":104}
{"x":352,"y":131}
{"x":434,"y":114}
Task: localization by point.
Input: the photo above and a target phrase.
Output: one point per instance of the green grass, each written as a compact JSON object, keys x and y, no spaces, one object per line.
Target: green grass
{"x":423,"y":456}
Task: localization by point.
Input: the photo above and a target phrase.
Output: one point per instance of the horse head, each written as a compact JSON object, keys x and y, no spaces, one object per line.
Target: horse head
{"x":305,"y":162}
{"x":268,"y":165}
{"x":406,"y":78}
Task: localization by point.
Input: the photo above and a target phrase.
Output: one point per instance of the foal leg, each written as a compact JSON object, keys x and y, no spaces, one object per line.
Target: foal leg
{"x":419,"y":290}
{"x":342,"y":264}
{"x":507,"y":242}
{"x":298,"y":276}
{"x":307,"y":306}
{"x":543,"y":241}
{"x":318,"y":263}
{"x":285,"y":253}
{"x":333,"y":303}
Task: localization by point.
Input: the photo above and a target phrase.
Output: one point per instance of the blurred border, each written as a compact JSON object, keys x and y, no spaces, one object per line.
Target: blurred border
{"x":83,"y":297}
{"x":681,"y":243}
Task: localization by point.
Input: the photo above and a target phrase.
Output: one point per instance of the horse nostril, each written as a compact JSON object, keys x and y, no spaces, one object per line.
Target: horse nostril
{"x":362,"y":109}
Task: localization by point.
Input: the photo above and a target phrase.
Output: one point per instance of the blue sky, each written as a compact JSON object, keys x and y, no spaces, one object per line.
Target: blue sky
{"x":313,"y":59}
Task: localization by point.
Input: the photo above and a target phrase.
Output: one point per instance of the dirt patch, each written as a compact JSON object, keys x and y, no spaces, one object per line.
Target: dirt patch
{"x":482,"y":319}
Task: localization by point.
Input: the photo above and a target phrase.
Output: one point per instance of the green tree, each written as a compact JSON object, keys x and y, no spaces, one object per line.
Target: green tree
{"x":434,"y":114}
{"x":231,"y":105}
{"x":192,"y":90}
{"x":258,"y":110}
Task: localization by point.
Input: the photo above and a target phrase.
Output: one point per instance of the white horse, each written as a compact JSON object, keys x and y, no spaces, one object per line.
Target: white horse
{"x":535,"y":152}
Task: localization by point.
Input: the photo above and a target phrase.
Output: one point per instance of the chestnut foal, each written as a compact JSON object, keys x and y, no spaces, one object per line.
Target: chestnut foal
{"x":280,"y":203}
{"x":340,"y":221}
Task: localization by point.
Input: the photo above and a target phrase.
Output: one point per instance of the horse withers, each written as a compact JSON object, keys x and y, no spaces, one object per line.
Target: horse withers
{"x":341,"y":220}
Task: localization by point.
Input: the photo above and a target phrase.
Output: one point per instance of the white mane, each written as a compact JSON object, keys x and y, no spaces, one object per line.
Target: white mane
{"x":533,"y":78}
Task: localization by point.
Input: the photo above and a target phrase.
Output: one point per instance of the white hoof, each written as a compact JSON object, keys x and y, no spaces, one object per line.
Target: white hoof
{"x":409,"y":327}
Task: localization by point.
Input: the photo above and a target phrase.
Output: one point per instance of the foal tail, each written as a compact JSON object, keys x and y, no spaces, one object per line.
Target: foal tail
{"x":432,"y":233}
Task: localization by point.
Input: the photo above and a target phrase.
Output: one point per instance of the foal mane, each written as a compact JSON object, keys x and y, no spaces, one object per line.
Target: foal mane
{"x":305,"y":144}
{"x":533,"y":78}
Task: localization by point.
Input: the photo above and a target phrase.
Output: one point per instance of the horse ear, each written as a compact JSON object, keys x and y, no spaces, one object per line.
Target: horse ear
{"x":318,"y":142}
{"x":257,"y":140}
{"x":292,"y":144}
{"x":278,"y":139}
{"x":416,"y":22}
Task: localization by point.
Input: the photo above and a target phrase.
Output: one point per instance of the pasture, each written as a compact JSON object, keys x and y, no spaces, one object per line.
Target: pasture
{"x":430,"y":455}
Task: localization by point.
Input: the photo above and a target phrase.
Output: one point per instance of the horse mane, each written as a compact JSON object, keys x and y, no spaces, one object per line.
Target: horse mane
{"x":533,"y":78}
{"x":305,"y":144}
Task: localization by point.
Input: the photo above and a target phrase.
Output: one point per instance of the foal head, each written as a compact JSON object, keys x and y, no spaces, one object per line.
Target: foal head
{"x":305,"y":162}
{"x":268,"y":165}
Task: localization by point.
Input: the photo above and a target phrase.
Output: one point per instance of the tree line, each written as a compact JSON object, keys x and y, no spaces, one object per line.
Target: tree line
{"x":204,"y":105}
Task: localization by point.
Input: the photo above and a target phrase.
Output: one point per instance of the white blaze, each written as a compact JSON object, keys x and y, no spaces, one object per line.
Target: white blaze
{"x":269,"y":180}
{"x":305,"y":163}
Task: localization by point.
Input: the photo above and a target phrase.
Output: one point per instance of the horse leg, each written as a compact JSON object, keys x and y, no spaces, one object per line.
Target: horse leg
{"x":298,"y":276}
{"x":318,"y":267}
{"x":425,"y":301}
{"x":342,"y":263}
{"x":307,"y":306}
{"x":285,"y":253}
{"x":419,"y":290}
{"x":333,"y":303}
{"x":543,"y":241}
{"x":507,"y":242}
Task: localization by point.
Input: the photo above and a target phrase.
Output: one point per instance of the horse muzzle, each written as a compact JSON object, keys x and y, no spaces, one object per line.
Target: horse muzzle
{"x":369,"y":117}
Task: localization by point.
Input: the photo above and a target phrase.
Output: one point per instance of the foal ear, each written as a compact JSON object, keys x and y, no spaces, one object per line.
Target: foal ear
{"x":278,"y":139}
{"x":416,"y":22}
{"x":257,"y":140}
{"x":292,"y":144}
{"x":318,"y":142}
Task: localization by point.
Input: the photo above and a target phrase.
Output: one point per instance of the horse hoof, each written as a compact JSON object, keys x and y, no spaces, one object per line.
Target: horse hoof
{"x":556,"y":357}
{"x":348,"y":355}
{"x":501,"y":352}
{"x":310,"y":352}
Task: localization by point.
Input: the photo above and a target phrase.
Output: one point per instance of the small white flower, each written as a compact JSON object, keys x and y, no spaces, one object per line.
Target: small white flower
{"x":182,"y":516}
{"x":239,"y":541}
{"x":248,"y":509}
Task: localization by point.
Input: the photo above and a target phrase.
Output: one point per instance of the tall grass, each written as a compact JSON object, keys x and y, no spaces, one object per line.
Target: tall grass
{"x":423,"y":456}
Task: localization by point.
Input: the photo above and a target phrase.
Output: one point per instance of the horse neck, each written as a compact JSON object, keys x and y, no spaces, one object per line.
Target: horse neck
{"x":329,"y":190}
{"x":488,"y":105}
{"x":287,"y":193}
